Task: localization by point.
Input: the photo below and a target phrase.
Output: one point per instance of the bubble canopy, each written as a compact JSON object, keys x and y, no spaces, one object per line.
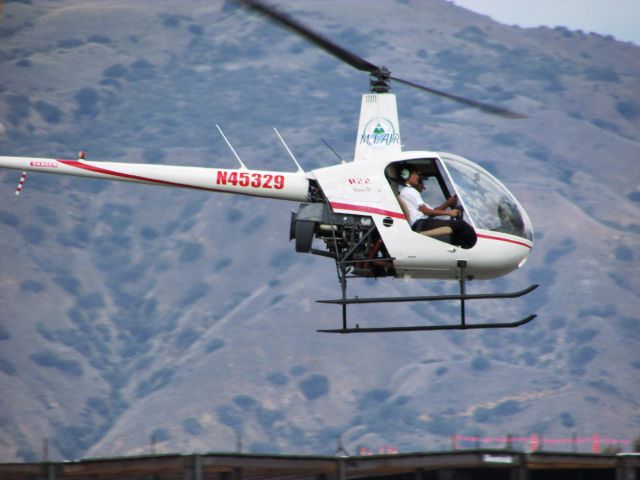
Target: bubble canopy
{"x":487,"y":202}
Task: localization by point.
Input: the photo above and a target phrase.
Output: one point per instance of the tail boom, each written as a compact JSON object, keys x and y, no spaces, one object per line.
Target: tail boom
{"x":258,"y":183}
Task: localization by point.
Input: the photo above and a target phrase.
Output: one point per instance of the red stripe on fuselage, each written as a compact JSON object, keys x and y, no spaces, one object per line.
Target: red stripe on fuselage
{"x":502,"y":239}
{"x":361,"y":208}
{"x":379,"y":211}
{"x":104,"y":171}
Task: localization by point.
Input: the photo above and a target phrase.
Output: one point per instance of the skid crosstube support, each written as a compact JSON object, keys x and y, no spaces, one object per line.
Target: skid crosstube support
{"x":462,"y":297}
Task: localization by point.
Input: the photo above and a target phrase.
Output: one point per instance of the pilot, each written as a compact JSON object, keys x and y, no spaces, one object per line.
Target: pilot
{"x":423,"y":217}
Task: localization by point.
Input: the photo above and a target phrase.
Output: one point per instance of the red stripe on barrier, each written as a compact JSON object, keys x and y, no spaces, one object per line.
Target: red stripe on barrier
{"x":551,"y":441}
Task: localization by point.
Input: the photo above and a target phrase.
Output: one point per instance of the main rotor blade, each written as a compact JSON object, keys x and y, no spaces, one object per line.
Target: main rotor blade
{"x":360,"y":63}
{"x":485,"y":107}
{"x":324,"y":43}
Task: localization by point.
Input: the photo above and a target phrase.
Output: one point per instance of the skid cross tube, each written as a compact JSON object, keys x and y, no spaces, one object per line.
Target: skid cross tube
{"x":462,"y":297}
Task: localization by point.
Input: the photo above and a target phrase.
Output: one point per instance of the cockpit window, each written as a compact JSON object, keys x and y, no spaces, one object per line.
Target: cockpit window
{"x":487,"y":202}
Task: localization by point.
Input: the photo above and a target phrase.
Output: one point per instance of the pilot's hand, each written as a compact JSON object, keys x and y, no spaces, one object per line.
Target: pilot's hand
{"x":453,"y":212}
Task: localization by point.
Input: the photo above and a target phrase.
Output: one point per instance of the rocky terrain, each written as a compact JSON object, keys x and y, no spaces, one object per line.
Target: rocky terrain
{"x":135,"y":318}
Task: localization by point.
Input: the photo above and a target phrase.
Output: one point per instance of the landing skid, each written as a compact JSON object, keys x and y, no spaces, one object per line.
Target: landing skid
{"x":430,"y":298}
{"x":417,"y":328}
{"x":462,"y":297}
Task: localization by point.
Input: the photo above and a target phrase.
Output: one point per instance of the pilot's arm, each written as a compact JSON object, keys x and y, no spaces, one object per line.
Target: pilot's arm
{"x":442,"y":209}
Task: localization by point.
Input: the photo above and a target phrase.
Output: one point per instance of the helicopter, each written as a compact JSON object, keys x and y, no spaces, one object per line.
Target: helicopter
{"x":352,"y":212}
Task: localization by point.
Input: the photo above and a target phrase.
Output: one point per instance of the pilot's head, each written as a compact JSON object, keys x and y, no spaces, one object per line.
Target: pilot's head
{"x":411,"y":177}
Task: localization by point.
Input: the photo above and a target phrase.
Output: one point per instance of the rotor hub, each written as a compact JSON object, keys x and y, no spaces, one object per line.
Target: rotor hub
{"x":380,"y":80}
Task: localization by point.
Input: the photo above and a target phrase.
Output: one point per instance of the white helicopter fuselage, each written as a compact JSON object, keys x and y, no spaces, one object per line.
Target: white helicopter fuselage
{"x":364,"y":188}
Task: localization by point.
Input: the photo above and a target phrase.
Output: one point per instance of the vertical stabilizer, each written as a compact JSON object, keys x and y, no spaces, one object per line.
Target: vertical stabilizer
{"x":378,"y":129}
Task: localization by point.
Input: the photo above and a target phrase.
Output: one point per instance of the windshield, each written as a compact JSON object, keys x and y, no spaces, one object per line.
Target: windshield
{"x":488,"y":203}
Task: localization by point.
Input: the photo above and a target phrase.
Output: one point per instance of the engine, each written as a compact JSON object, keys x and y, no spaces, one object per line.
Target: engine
{"x":353,"y":241}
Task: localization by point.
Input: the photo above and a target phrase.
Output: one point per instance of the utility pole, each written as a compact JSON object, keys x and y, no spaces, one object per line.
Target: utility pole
{"x":45,"y":450}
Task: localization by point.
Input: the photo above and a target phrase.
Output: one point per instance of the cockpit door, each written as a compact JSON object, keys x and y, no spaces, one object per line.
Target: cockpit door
{"x":488,"y":204}
{"x":449,"y":189}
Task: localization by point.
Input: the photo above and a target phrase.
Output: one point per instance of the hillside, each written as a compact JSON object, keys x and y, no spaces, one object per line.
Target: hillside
{"x":132,"y":314}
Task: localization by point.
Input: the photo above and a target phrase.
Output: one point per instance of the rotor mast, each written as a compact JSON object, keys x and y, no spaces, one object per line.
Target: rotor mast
{"x":378,"y":128}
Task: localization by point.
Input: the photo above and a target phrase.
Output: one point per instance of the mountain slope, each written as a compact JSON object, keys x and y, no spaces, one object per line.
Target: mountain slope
{"x":131,"y":313}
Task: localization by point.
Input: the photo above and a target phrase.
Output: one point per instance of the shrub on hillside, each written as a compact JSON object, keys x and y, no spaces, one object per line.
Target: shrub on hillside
{"x":480,"y":364}
{"x":87,"y":102}
{"x":214,"y":345}
{"x":33,"y":234}
{"x":154,"y":382}
{"x":19,"y":106}
{"x":195,"y":293}
{"x":9,"y":219}
{"x":584,"y":335}
{"x":579,"y":358}
{"x":101,"y":39}
{"x":185,"y":338}
{"x":70,"y":43}
{"x":277,"y":378}
{"x":443,"y":425}
{"x":141,"y":70}
{"x":629,"y":109}
{"x":192,"y":426}
{"x":92,"y":300}
{"x":160,"y":435}
{"x":567,"y":420}
{"x":4,"y":335}
{"x":624,"y":254}
{"x":245,"y":402}
{"x":373,"y":398}
{"x":267,"y":417}
{"x":282,"y":259}
{"x":314,"y":386}
{"x":231,"y":417}
{"x":115,"y":71}
{"x":50,"y":113}
{"x":7,"y":367}
{"x":481,"y":414}
{"x":50,"y":359}
{"x":602,"y":74}
{"x":508,"y":407}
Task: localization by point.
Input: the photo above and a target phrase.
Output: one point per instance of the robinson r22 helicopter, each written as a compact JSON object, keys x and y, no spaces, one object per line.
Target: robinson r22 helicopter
{"x":354,"y":209}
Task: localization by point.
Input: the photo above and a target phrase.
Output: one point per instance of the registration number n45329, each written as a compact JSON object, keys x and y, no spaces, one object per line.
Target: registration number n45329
{"x":250,"y":179}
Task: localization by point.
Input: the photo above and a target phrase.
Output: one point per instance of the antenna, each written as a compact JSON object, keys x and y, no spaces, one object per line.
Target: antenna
{"x":330,"y":148}
{"x":242,"y":165}
{"x":288,"y":151}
